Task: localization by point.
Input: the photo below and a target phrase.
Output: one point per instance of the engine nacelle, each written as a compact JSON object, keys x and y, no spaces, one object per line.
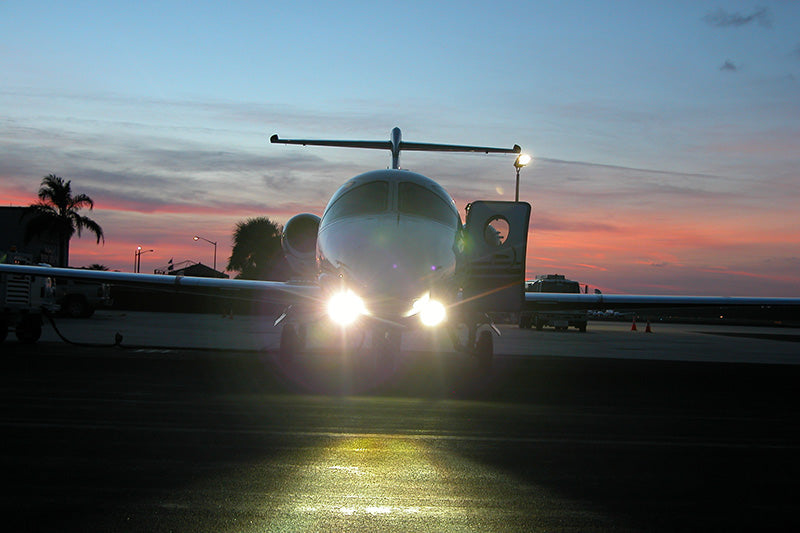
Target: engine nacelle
{"x":299,"y":243}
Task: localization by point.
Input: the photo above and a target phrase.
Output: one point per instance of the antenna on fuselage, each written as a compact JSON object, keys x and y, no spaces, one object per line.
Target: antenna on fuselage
{"x":396,"y":143}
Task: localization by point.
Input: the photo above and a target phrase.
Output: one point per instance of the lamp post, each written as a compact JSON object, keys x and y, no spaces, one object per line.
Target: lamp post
{"x":137,"y":258}
{"x":521,"y":161}
{"x":197,"y":237}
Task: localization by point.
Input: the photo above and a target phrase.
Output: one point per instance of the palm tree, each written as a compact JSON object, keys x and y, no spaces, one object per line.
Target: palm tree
{"x":257,"y":252}
{"x":57,"y":214}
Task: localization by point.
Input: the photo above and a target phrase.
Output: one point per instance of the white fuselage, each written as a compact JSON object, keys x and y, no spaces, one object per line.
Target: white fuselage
{"x":389,"y":235}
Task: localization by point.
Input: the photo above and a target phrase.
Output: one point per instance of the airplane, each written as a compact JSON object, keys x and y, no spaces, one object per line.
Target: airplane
{"x":390,"y":253}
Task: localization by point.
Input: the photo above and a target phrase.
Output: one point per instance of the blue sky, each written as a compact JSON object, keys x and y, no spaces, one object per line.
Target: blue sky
{"x":666,"y":134}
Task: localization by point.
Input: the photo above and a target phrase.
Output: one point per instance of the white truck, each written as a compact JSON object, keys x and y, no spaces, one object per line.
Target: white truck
{"x":79,"y":299}
{"x":23,"y":299}
{"x":559,"y":319}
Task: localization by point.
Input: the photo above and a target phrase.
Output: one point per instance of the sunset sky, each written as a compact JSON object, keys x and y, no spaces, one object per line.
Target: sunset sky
{"x":666,"y":134}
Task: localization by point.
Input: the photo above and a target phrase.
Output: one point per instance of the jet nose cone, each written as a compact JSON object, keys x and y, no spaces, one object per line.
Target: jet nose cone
{"x":390,"y":255}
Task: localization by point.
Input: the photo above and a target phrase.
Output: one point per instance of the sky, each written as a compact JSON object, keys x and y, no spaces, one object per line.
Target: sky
{"x":665,"y":135}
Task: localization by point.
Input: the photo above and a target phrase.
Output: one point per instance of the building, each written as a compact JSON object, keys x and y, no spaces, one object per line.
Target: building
{"x":190,"y":268}
{"x":42,"y":249}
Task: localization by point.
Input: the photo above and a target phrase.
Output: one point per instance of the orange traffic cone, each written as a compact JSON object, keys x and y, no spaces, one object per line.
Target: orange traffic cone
{"x":647,"y":329}
{"x":633,"y":326}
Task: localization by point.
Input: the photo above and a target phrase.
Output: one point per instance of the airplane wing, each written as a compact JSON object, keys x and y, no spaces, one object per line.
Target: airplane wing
{"x":396,"y":144}
{"x":276,"y":291}
{"x":431,"y":147}
{"x":380,"y":145}
{"x":537,"y":301}
{"x":403,"y":145}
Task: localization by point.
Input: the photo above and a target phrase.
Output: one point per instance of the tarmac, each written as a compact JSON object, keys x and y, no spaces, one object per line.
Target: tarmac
{"x":673,"y":342}
{"x":192,"y":423}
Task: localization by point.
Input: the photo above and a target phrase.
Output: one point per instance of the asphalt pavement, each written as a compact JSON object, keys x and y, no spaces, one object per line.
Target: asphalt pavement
{"x":160,"y":434}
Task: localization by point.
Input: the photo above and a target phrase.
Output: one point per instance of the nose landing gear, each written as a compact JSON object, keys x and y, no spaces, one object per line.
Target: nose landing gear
{"x":386,"y":347}
{"x":293,"y":341}
{"x":484,"y":350}
{"x":478,"y":344}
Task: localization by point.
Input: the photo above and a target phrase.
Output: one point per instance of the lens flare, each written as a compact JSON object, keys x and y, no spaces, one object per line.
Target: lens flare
{"x":432,"y":313}
{"x":345,"y":307}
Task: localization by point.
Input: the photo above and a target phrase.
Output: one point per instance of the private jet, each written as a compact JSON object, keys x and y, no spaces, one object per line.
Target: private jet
{"x":390,"y":253}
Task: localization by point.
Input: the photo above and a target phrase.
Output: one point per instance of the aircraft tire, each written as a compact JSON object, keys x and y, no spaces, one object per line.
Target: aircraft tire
{"x":302,"y":337}
{"x":3,"y":329}
{"x":484,"y":350}
{"x":76,"y":306}
{"x":29,"y":329}
{"x":290,"y":343}
{"x":386,"y":345}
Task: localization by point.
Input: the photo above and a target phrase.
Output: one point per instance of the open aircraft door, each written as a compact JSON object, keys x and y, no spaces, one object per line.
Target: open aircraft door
{"x":492,"y":255}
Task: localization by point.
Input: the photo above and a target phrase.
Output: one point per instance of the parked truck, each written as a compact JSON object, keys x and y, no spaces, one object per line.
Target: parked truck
{"x":23,"y":299}
{"x":80,"y":299}
{"x":559,"y":319}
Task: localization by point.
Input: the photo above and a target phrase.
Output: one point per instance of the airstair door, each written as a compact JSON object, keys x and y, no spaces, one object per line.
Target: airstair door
{"x":492,"y":255}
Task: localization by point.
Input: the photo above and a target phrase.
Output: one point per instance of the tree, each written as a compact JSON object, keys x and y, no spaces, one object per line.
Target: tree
{"x":57,"y":213}
{"x":257,"y":252}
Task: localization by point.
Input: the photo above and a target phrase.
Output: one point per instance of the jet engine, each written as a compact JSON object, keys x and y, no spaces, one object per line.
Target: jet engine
{"x":299,"y":243}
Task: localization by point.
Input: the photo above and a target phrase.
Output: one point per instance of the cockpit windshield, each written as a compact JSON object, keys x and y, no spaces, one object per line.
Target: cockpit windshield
{"x":369,"y":198}
{"x":417,"y":200}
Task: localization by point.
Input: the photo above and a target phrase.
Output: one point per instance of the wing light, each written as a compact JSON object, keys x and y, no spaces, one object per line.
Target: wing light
{"x":345,"y":307}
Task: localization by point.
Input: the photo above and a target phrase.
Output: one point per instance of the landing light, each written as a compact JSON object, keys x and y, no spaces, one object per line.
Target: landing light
{"x":431,"y":312}
{"x":345,"y":307}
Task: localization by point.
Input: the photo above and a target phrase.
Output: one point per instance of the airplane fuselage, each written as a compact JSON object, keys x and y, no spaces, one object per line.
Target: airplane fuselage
{"x":390,"y":236}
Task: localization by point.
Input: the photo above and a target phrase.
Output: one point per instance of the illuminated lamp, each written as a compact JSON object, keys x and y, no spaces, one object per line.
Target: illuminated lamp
{"x":432,"y":313}
{"x":345,"y":307}
{"x":521,"y":161}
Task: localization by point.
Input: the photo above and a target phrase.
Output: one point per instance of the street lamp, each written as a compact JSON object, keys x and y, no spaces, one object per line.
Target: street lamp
{"x":137,"y":258}
{"x":197,"y":237}
{"x":521,"y":161}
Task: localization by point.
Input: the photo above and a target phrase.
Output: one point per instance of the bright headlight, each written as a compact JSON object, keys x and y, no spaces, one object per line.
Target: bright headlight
{"x":345,"y":307}
{"x":432,"y":313}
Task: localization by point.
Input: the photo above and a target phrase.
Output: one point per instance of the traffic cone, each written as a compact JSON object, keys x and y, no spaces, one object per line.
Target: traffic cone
{"x":647,"y":329}
{"x":633,"y":326}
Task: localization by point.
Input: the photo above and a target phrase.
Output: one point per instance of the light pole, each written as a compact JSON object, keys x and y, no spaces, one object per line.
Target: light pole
{"x":137,"y":258}
{"x":521,"y":161}
{"x":196,"y":237}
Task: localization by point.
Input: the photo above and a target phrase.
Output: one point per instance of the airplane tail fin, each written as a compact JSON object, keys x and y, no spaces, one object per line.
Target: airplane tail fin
{"x":396,"y":144}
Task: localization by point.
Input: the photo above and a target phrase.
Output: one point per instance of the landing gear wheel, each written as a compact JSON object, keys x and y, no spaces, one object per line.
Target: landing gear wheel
{"x":302,"y":336}
{"x":3,"y":330}
{"x":484,"y":350}
{"x":76,"y":307}
{"x":386,"y":347}
{"x":29,"y":329}
{"x":290,"y":343}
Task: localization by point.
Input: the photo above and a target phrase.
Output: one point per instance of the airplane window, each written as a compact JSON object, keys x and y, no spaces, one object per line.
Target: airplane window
{"x":370,"y":198}
{"x":417,"y":200}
